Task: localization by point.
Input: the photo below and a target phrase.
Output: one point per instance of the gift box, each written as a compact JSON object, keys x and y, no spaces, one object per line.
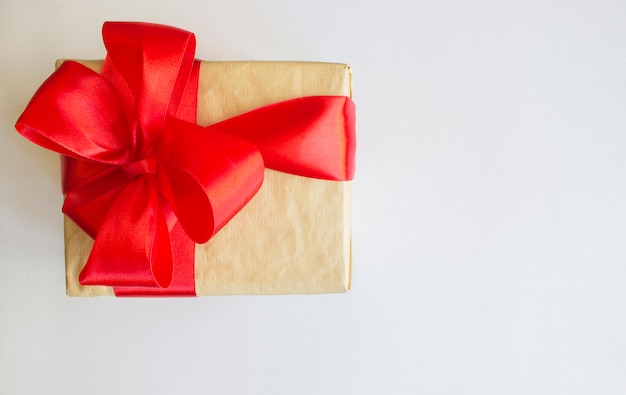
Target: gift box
{"x":293,"y":235}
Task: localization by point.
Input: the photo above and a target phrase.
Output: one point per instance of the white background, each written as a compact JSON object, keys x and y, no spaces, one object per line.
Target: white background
{"x":489,"y":209}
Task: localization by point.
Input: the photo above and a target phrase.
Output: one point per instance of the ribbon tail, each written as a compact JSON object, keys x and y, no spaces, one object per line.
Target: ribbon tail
{"x":310,"y":136}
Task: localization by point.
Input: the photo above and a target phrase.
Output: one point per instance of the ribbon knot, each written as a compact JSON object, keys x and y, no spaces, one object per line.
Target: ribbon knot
{"x":146,"y":214}
{"x":146,"y":165}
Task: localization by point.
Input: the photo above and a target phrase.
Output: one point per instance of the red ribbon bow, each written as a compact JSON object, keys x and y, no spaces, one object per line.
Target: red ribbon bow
{"x":143,"y":179}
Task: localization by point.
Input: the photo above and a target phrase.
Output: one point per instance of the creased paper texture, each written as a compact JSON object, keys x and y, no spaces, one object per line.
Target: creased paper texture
{"x":295,"y":235}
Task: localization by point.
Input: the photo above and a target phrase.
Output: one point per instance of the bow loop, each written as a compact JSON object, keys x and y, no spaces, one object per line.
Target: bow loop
{"x":72,"y":123}
{"x":150,"y":64}
{"x":147,"y":257}
{"x":211,"y":175}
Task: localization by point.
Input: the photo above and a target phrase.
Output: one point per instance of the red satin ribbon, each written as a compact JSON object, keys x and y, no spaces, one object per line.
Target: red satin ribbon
{"x":143,"y":179}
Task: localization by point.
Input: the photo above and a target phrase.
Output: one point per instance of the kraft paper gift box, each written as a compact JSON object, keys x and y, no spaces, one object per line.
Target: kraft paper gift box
{"x":294,"y":236}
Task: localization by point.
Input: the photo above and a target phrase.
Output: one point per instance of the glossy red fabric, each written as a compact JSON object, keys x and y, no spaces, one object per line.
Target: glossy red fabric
{"x":143,"y":179}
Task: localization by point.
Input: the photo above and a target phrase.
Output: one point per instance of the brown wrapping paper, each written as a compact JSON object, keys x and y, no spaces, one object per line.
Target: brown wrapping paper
{"x":294,"y":236}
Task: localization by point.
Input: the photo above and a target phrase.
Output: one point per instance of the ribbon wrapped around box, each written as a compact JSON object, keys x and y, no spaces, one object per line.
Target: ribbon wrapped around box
{"x":188,"y":178}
